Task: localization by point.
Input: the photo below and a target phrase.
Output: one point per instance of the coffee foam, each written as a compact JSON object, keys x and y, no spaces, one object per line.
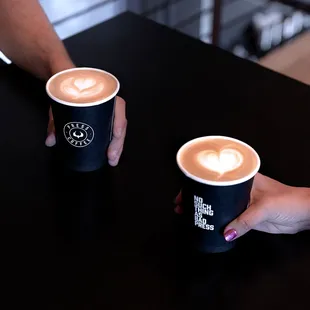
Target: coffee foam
{"x":220,"y":162}
{"x":218,"y":159}
{"x":82,"y":85}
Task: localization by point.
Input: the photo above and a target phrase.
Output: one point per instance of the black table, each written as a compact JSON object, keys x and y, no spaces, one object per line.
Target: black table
{"x":110,"y":239}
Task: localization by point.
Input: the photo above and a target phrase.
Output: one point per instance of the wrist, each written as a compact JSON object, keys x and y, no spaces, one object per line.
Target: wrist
{"x":60,"y":63}
{"x":304,"y":194}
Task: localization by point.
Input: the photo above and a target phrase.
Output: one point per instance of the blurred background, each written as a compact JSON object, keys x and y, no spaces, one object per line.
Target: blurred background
{"x":272,"y":33}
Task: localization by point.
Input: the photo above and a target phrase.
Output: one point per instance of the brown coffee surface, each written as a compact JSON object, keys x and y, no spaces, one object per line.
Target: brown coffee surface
{"x":82,"y":86}
{"x":218,"y":159}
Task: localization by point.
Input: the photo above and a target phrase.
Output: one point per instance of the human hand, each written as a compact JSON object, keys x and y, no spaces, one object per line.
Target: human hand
{"x":119,"y":132}
{"x":274,"y":208}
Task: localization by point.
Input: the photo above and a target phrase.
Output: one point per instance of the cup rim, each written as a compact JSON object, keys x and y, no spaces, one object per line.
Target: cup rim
{"x":217,"y":183}
{"x":81,"y":105}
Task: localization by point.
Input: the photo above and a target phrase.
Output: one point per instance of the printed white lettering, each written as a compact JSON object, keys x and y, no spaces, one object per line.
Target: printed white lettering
{"x":201,"y":210}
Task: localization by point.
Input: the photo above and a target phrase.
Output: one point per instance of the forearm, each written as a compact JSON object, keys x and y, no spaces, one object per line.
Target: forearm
{"x":29,"y":40}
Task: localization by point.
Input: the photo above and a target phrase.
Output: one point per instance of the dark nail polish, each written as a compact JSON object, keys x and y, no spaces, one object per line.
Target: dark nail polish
{"x":230,"y":235}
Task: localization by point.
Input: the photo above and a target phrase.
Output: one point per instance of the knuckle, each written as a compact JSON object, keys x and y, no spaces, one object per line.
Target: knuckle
{"x":245,"y":224}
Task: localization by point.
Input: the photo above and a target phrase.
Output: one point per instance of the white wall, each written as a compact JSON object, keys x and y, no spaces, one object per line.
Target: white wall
{"x":73,"y":16}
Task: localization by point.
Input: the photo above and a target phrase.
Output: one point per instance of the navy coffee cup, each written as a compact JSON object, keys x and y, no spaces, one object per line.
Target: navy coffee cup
{"x":83,"y":130}
{"x":209,"y":206}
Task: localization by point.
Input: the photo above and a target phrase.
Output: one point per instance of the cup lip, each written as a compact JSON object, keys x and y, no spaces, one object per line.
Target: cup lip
{"x":217,"y":183}
{"x":81,"y":105}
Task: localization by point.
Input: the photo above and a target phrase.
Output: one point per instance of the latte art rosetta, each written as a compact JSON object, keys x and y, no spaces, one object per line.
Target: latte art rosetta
{"x":81,"y":87}
{"x":221,"y":162}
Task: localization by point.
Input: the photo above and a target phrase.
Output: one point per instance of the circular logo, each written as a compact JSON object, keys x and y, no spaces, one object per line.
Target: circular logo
{"x":78,"y":134}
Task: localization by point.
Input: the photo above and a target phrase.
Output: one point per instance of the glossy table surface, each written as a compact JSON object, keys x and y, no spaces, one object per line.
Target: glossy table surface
{"x":110,"y":239}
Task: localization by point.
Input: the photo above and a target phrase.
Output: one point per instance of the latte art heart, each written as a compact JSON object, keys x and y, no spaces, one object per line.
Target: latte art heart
{"x":216,"y":160}
{"x":81,"y":87}
{"x":221,"y":162}
{"x":87,"y":86}
{"x":83,"y":83}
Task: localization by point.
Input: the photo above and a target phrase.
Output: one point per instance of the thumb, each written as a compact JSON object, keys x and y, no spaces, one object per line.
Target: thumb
{"x":248,"y":220}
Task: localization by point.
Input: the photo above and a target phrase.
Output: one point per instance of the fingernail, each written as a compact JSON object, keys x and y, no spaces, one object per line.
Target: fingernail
{"x":230,"y":235}
{"x":113,"y":163}
{"x":50,"y":140}
{"x":113,"y":155}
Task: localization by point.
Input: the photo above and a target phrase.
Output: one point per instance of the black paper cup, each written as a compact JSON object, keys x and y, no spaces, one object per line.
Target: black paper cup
{"x":83,"y":130}
{"x":209,"y":206}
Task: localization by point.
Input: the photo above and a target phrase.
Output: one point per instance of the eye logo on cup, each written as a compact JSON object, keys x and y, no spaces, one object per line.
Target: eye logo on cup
{"x":78,"y":134}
